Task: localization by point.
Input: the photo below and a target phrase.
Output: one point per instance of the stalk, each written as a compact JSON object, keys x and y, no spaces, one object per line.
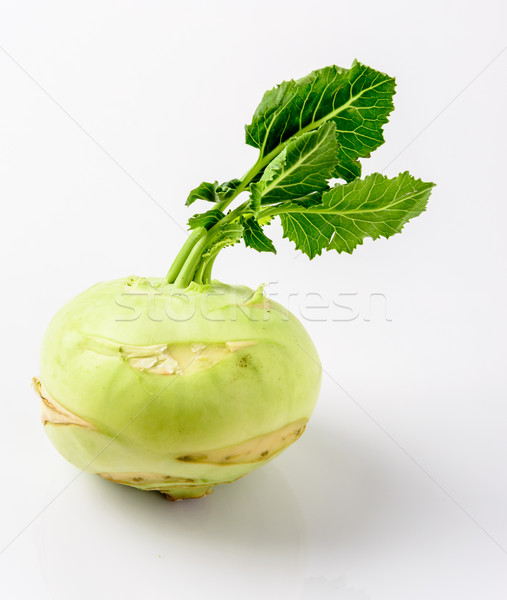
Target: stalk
{"x":245,"y":182}
{"x":204,"y":267}
{"x":183,"y":254}
{"x":203,"y":273}
{"x":180,"y":272}
{"x":206,"y":275}
{"x":188,"y":265}
{"x":186,"y":274}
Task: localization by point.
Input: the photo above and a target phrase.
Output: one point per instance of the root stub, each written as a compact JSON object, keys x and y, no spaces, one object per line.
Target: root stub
{"x":188,"y":493}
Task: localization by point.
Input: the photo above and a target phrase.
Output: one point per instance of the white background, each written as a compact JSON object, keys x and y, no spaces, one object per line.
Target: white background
{"x":398,"y":489}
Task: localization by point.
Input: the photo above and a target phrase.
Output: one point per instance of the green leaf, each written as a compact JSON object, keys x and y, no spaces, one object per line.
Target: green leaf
{"x":255,"y":238}
{"x":302,"y":167}
{"x":307,"y":231}
{"x":307,"y":132}
{"x":358,"y":100}
{"x":374,"y":207}
{"x":226,"y":189}
{"x":255,"y":198}
{"x":206,"y":219}
{"x":230,"y":234}
{"x":205,"y":191}
{"x":212,"y":192}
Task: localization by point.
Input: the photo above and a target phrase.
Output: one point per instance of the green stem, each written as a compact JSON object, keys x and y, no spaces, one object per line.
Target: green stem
{"x":245,"y":182}
{"x":202,"y":270}
{"x":203,"y":273}
{"x":271,"y":211}
{"x":187,"y":264}
{"x":232,"y":216}
{"x":183,"y":254}
{"x":179,"y":271}
{"x":206,"y":275}
{"x":190,"y":265}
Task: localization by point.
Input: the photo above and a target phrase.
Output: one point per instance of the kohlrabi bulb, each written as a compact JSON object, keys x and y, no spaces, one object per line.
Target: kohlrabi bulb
{"x":182,"y":383}
{"x":175,"y":390}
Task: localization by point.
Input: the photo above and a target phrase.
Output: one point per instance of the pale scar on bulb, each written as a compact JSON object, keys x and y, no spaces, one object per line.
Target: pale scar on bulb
{"x":161,"y":359}
{"x":168,"y":359}
{"x":257,"y":449}
{"x":253,"y":450}
{"x":147,"y":478}
{"x":53,"y":412}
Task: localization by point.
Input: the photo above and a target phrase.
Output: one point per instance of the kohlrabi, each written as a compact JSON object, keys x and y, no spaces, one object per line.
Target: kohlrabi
{"x":182,"y":383}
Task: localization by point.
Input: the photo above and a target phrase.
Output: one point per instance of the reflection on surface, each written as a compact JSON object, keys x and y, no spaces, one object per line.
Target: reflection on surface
{"x":266,"y":535}
{"x":346,"y":486}
{"x":246,"y":538}
{"x":321,"y":588}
